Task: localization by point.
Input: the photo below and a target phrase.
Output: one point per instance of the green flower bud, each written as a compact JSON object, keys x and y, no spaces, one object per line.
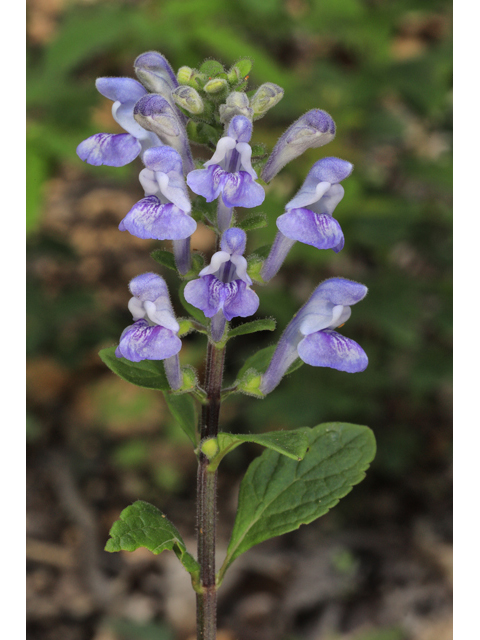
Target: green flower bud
{"x":236,"y":104}
{"x":250,"y":384}
{"x":239,"y":70}
{"x":266,"y":97}
{"x":189,"y":99}
{"x":184,"y":75}
{"x":215,"y":86}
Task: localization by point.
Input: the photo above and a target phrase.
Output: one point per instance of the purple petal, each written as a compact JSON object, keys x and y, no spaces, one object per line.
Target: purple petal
{"x":240,"y":300}
{"x":314,"y":129}
{"x":149,"y":218}
{"x":240,"y":190}
{"x":234,"y":241}
{"x":339,"y":291}
{"x":331,"y":170}
{"x":156,"y":64}
{"x":148,"y":286}
{"x":320,"y":231}
{"x":111,"y":149}
{"x":207,"y":182}
{"x":205,"y":293}
{"x":142,"y":342}
{"x":331,"y":349}
{"x":121,"y":89}
{"x":163,"y":159}
{"x":240,"y":128}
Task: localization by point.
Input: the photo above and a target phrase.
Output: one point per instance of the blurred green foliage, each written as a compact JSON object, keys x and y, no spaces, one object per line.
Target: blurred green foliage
{"x":383,"y":70}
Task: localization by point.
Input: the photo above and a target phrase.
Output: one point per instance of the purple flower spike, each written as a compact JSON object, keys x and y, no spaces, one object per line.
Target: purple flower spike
{"x":154,"y":113}
{"x":229,"y":172}
{"x":117,"y":150}
{"x":310,"y":336}
{"x":223,"y":287}
{"x":164,"y":213}
{"x":314,"y":129}
{"x":153,"y":335}
{"x":308,"y":217}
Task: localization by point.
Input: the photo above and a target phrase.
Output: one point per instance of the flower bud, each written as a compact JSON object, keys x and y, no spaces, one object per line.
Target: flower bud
{"x":236,"y":104}
{"x":266,"y":97}
{"x":189,"y":99}
{"x":209,"y":447}
{"x":184,"y":75}
{"x":155,"y":73}
{"x":215,"y":86}
{"x":239,"y":70}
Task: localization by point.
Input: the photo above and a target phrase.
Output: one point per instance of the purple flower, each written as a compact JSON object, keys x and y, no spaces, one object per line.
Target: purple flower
{"x":155,"y":73}
{"x":153,"y":335}
{"x":229,"y":172}
{"x":310,"y":336}
{"x":164,"y":213}
{"x":118,"y":149}
{"x":314,"y":129}
{"x":223,"y":290}
{"x":155,"y":113}
{"x":308,"y":217}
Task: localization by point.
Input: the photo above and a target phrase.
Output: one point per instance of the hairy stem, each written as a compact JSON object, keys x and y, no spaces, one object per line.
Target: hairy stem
{"x":207,"y":498}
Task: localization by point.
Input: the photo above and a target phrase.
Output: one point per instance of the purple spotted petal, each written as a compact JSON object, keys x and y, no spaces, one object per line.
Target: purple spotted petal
{"x":331,"y":349}
{"x":207,"y":182}
{"x":121,"y":89}
{"x":240,"y":300}
{"x":142,"y":342}
{"x":149,"y":218}
{"x":320,"y":231}
{"x":206,"y":294}
{"x":240,"y":190}
{"x":111,"y":149}
{"x":148,"y":286}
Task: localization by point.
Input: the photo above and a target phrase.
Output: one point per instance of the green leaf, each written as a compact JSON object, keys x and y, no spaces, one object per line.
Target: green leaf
{"x":261,"y":359}
{"x":292,"y":444}
{"x":278,"y":495}
{"x":149,"y":374}
{"x":182,"y":408}
{"x":143,"y":525}
{"x":255,"y":221}
{"x":193,"y":311}
{"x":262,"y":252}
{"x":264,"y":324}
{"x":164,"y":258}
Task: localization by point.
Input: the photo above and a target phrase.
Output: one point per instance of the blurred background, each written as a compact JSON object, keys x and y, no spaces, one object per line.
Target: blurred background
{"x":378,"y":567}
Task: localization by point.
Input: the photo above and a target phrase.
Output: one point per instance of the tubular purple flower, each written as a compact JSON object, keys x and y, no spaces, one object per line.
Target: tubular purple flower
{"x":164,"y":212}
{"x":308,"y":217}
{"x":310,"y":336}
{"x":153,"y":335}
{"x":314,"y":129}
{"x":118,"y":149}
{"x":154,"y":113}
{"x":223,"y":290}
{"x":229,"y":172}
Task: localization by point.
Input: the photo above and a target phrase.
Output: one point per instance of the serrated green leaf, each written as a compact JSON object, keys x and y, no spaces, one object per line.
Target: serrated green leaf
{"x":164,"y":258}
{"x":292,"y":444}
{"x":193,"y":311}
{"x":143,"y":525}
{"x":264,"y":324}
{"x":182,"y":408}
{"x":255,"y":221}
{"x":149,"y":374}
{"x":278,"y":494}
{"x":261,"y":359}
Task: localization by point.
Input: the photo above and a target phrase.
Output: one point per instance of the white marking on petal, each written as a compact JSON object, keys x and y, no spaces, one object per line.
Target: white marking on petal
{"x":245,"y":151}
{"x":223,"y":146}
{"x":216,"y":262}
{"x":136,"y":308}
